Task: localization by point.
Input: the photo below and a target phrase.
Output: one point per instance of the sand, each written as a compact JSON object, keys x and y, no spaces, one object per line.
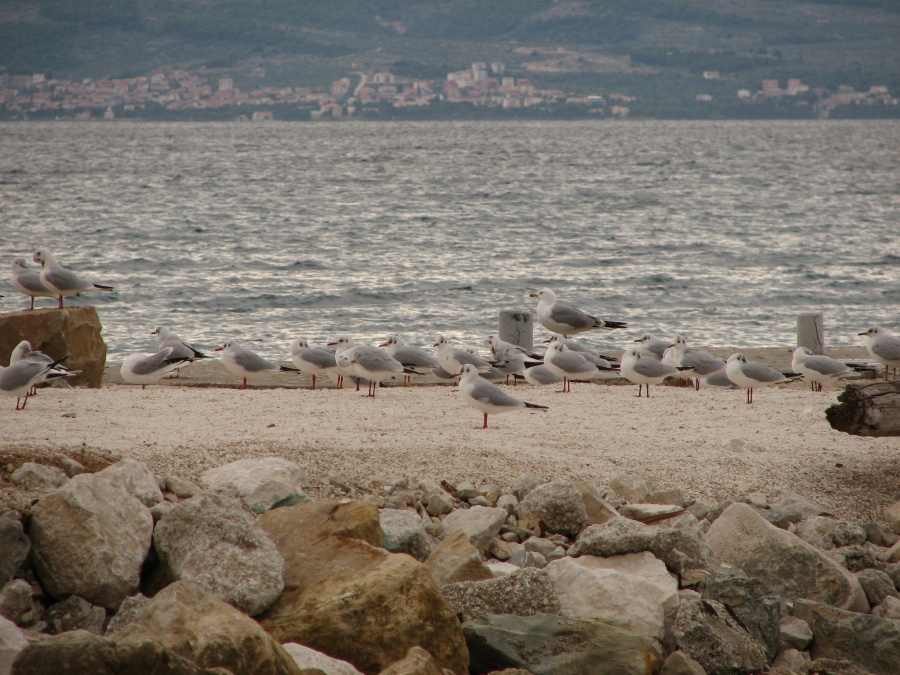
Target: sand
{"x":710,"y":444}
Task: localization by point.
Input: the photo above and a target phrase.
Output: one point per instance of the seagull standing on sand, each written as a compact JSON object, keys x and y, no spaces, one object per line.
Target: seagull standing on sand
{"x":410,"y":357}
{"x":181,"y":350}
{"x":509,"y":358}
{"x":750,"y":375}
{"x":652,"y":347}
{"x":244,"y":363}
{"x":24,"y":352}
{"x":487,"y":397}
{"x":561,"y":317}
{"x":18,"y":378}
{"x":452,"y":359}
{"x":568,"y":365}
{"x":376,"y":365}
{"x":541,"y":376}
{"x":61,"y":281}
{"x":27,"y":281}
{"x":884,"y":348}
{"x":344,"y":349}
{"x":144,"y":369}
{"x":313,"y":361}
{"x":643,"y":370}
{"x":819,"y":370}
{"x":695,"y":362}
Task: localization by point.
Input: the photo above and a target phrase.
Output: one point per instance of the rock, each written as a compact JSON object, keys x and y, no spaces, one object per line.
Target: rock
{"x":648,"y":512}
{"x":465,"y":490}
{"x":439,"y":503}
{"x":90,"y":538}
{"x":706,"y":631}
{"x":310,"y":659}
{"x":680,"y":663}
{"x":523,"y":485}
{"x":795,"y":632}
{"x":160,"y":511}
{"x":12,"y":641}
{"x":893,"y":554}
{"x":888,"y":609}
{"x":792,"y":661}
{"x":893,"y":571}
{"x":31,"y":476}
{"x":505,"y":550}
{"x":750,"y":602}
{"x":72,"y":331}
{"x":631,"y":488}
{"x":404,"y":532}
{"x":865,"y":640}
{"x":671,"y":496}
{"x":818,"y":531}
{"x":880,"y":534}
{"x":557,"y":507}
{"x":417,"y":662}
{"x":136,"y":479}
{"x":16,"y":603}
{"x":181,"y":488}
{"x":68,"y":465}
{"x":260,"y":482}
{"x":455,"y":560}
{"x":796,"y":507}
{"x":338,"y":582}
{"x":501,"y":569}
{"x":598,"y":510}
{"x":877,"y":586}
{"x":634,"y":589}
{"x":758,"y":499}
{"x":891,"y":515}
{"x":480,"y":523}
{"x":548,"y":644}
{"x":699,"y":509}
{"x":83,"y":653}
{"x":847,"y":534}
{"x":14,"y":548}
{"x":781,"y":560}
{"x":509,"y":503}
{"x":524,"y":593}
{"x":213,"y":541}
{"x":853,"y":558}
{"x":74,"y":613}
{"x":833,"y":667}
{"x":127,"y":611}
{"x":194,"y":624}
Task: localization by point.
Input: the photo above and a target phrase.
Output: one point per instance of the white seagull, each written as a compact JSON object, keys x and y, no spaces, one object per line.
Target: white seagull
{"x":509,"y":358}
{"x":819,"y":370}
{"x":144,"y":369}
{"x":59,"y":280}
{"x":452,"y":358}
{"x":695,"y":362}
{"x":569,"y":365}
{"x":410,"y":357}
{"x":652,"y":347}
{"x":313,"y":361}
{"x":18,"y":378}
{"x":643,"y":370}
{"x":376,"y":365}
{"x":884,"y":348}
{"x":24,"y":352}
{"x":181,"y":350}
{"x":751,"y":375}
{"x":561,"y":317}
{"x":245,"y":363}
{"x":27,"y":281}
{"x":541,"y":375}
{"x":344,"y":349}
{"x":487,"y":397}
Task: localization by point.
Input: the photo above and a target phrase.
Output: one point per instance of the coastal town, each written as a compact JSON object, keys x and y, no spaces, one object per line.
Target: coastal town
{"x":179,"y":93}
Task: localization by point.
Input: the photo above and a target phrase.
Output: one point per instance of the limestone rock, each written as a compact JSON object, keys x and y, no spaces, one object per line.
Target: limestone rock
{"x":524,"y":593}
{"x":597,"y":508}
{"x":11,"y":643}
{"x":127,"y":611}
{"x":404,"y":532}
{"x":877,"y":586}
{"x":781,"y":560}
{"x":439,"y":503}
{"x":416,"y":662}
{"x":795,"y":632}
{"x":260,"y":482}
{"x":74,"y":613}
{"x":680,"y":663}
{"x":888,"y":609}
{"x":57,"y":332}
{"x":796,"y":507}
{"x":648,"y":512}
{"x":865,"y":640}
{"x":338,"y":582}
{"x":524,"y":484}
{"x":880,"y":534}
{"x":892,"y":516}
{"x":508,"y":502}
{"x":756,"y":608}
{"x":634,"y":589}
{"x":793,"y":662}
{"x":558,"y":506}
{"x":847,"y":534}
{"x":213,"y":541}
{"x":548,"y":644}
{"x":854,"y":558}
{"x":90,"y":538}
{"x":16,"y":603}
{"x":455,"y":560}
{"x":14,"y":547}
{"x":480,"y":523}
{"x":136,"y":479}
{"x":181,"y":488}
{"x":31,"y":476}
{"x":818,"y":531}
{"x":709,"y":634}
{"x":631,"y":488}
{"x":310,"y":659}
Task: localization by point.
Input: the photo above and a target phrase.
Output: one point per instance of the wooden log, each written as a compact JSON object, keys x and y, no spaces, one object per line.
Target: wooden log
{"x":867,"y":410}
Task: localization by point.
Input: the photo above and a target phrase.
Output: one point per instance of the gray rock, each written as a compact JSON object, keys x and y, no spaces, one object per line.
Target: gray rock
{"x":247,"y":475}
{"x":631,"y":488}
{"x":753,"y":604}
{"x":273,"y":494}
{"x":182,"y":488}
{"x":480,"y":523}
{"x":888,"y":609}
{"x":69,"y":465}
{"x":12,"y":641}
{"x":540,"y":545}
{"x":524,"y":593}
{"x":680,"y":663}
{"x":597,"y":508}
{"x":455,"y":559}
{"x":880,"y":534}
{"x":777,"y":518}
{"x":466,"y":490}
{"x":404,"y":532}
{"x":14,"y":547}
{"x":439,"y":503}
{"x":796,"y":632}
{"x":31,"y":476}
{"x":877,"y":586}
{"x":699,"y":509}
{"x":648,"y":512}
{"x":892,"y":516}
{"x":213,"y":541}
{"x":796,"y":507}
{"x":127,"y":611}
{"x":74,"y":613}
{"x":548,"y":644}
{"x":525,"y":484}
{"x":557,"y":507}
{"x":136,"y":479}
{"x":508,"y":502}
{"x":480,"y":501}
{"x":792,"y":661}
{"x":848,"y":534}
{"x":706,"y":632}
{"x":672,"y":496}
{"x":310,"y":659}
{"x":865,"y":640}
{"x":854,"y":558}
{"x":16,"y":603}
{"x":90,"y":538}
{"x":893,"y":571}
{"x":818,"y":531}
{"x":161,"y":510}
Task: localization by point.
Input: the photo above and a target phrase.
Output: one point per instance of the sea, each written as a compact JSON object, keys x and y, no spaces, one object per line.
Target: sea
{"x":263,"y":233}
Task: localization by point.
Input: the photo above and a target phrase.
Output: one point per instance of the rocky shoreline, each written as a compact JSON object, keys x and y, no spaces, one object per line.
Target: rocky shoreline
{"x":262,"y":568}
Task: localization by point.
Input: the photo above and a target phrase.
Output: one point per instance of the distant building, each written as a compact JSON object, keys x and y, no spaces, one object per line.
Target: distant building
{"x":704,"y":97}
{"x":710,"y":74}
{"x":226,"y":84}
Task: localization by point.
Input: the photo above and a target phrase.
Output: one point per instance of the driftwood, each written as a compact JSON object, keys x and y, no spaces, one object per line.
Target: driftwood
{"x":867,"y":410}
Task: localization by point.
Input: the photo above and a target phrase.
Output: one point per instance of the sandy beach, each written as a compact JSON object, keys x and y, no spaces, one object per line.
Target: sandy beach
{"x":710,"y":444}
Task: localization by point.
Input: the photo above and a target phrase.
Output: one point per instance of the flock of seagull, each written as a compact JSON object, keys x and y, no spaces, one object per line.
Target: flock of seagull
{"x":565,"y":360}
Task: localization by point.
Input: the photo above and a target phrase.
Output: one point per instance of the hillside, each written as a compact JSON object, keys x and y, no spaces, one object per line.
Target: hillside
{"x":654,"y":51}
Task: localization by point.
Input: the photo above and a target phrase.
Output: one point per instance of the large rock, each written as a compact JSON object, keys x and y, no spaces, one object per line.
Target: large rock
{"x":404,"y":532}
{"x":751,"y":603}
{"x":796,"y":507}
{"x":72,"y":331}
{"x":706,"y":632}
{"x":455,"y":559}
{"x":31,"y":476}
{"x":548,"y":644}
{"x":877,"y":586}
{"x":14,"y":546}
{"x":866,"y":640}
{"x":260,"y":482}
{"x":557,"y":506}
{"x":782,"y":561}
{"x":190,"y":622}
{"x":90,"y":538}
{"x":598,"y":509}
{"x":12,"y":641}
{"x":136,"y":479}
{"x":74,"y":613}
{"x":310,"y":659}
{"x":212,"y":540}
{"x":480,"y":523}
{"x":416,"y":662}
{"x":348,"y":598}
{"x":631,"y":488}
{"x":523,"y":593}
{"x":635,"y":589}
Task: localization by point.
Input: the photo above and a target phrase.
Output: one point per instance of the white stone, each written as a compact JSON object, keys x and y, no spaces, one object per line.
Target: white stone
{"x":888,"y":609}
{"x":307,"y":658}
{"x":12,"y":641}
{"x":248,"y":475}
{"x":480,"y":523}
{"x":136,"y":479}
{"x":501,"y":569}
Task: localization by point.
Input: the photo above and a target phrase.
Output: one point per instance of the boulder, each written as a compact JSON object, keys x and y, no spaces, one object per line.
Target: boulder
{"x":260,"y":482}
{"x":438,"y":503}
{"x":557,"y":506}
{"x":877,"y":586}
{"x":865,"y":640}
{"x":891,"y":515}
{"x":14,"y":546}
{"x":525,"y":484}
{"x":455,"y":559}
{"x":74,"y":613}
{"x":212,"y":540}
{"x":16,"y":603}
{"x":756,"y":608}
{"x":631,"y":488}
{"x":524,"y":593}
{"x":404,"y":532}
{"x":634,"y":589}
{"x":194,"y":624}
{"x":796,"y":507}
{"x":788,"y":565}
{"x":416,"y":662}
{"x":127,"y":611}
{"x":12,"y":641}
{"x":888,"y":609}
{"x":72,"y":331}
{"x":597,"y":508}
{"x":31,"y":476}
{"x":181,"y":488}
{"x":347,"y":597}
{"x":90,"y":538}
{"x":793,"y":662}
{"x":680,"y":663}
{"x":136,"y":479}
{"x":310,"y":659}
{"x":549,"y":644}
{"x":706,"y":632}
{"x":795,"y":632}
{"x":480,"y":523}
{"x":508,"y":502}
{"x":880,"y":534}
{"x":818,"y":531}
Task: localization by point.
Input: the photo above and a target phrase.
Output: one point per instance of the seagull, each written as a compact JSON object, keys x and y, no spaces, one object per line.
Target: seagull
{"x":652,"y":347}
{"x":750,"y":374}
{"x":643,"y":370}
{"x":541,"y":375}
{"x":568,"y":365}
{"x":24,"y":352}
{"x":563,"y":318}
{"x":884,"y":348}
{"x":18,"y":378}
{"x":312,"y":360}
{"x":452,"y":358}
{"x":181,"y":350}
{"x":376,"y":365}
{"x":27,"y":280}
{"x":344,"y":349}
{"x":144,"y":369}
{"x":603,"y":362}
{"x":818,"y":369}
{"x":244,"y":363}
{"x":716,"y":381}
{"x":487,"y":397}
{"x":509,"y":358}
{"x":61,"y":281}
{"x":410,"y":357}
{"x":697,"y":362}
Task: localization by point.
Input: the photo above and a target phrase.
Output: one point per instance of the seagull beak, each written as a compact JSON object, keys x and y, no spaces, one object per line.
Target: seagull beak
{"x":637,"y":340}
{"x":532,"y":295}
{"x":383,"y":344}
{"x":218,"y":349}
{"x":866,"y":333}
